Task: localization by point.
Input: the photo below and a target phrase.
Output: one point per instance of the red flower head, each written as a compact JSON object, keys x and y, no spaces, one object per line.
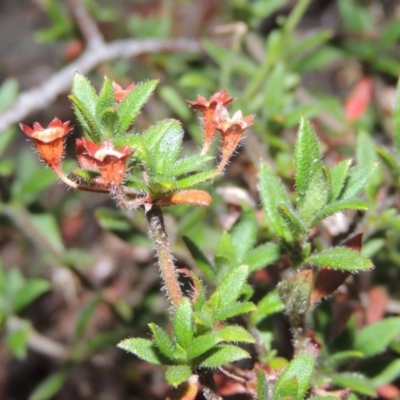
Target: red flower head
{"x":120,"y":93}
{"x":231,"y":130}
{"x":104,"y":158}
{"x":208,"y":109}
{"x":49,"y":142}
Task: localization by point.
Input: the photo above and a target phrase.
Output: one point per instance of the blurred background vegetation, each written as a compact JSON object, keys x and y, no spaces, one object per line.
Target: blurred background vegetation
{"x":77,"y":274}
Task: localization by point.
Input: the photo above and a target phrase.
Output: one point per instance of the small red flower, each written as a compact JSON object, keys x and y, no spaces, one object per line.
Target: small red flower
{"x":208,"y":109}
{"x":49,"y":142}
{"x":231,"y":130}
{"x":104,"y":158}
{"x":120,"y":93}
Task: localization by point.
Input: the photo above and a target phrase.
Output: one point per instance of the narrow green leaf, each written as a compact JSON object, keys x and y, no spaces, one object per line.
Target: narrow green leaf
{"x":202,"y":344}
{"x":286,"y":390}
{"x":49,"y":387}
{"x":106,"y":99}
{"x":307,"y":157}
{"x":262,"y":256}
{"x":170,"y":96}
{"x":177,"y":374}
{"x":188,"y":164}
{"x":183,"y":323}
{"x":223,"y":354}
{"x":131,"y":105}
{"x":273,"y":194}
{"x":270,"y":304}
{"x":83,"y":90}
{"x":32,"y":289}
{"x":234,"y":333}
{"x":233,"y":310}
{"x":301,"y":368}
{"x":389,"y":160}
{"x":144,"y":349}
{"x":388,"y":375}
{"x":224,"y":257}
{"x":154,"y":133}
{"x":396,"y":119}
{"x":167,"y":149}
{"x":8,"y":93}
{"x":229,"y":289}
{"x":375,"y":338}
{"x":295,"y":224}
{"x":339,"y":206}
{"x":338,"y":178}
{"x":357,"y":180}
{"x":357,"y":382}
{"x":17,"y":341}
{"x":262,"y":385}
{"x":243,"y":235}
{"x":199,"y":257}
{"x":163,"y":342}
{"x":85,"y":314}
{"x":46,"y":224}
{"x":195,"y":179}
{"x":340,"y":258}
{"x":316,"y":196}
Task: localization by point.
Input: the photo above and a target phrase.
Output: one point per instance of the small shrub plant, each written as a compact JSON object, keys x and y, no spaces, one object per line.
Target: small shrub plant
{"x":222,"y":323}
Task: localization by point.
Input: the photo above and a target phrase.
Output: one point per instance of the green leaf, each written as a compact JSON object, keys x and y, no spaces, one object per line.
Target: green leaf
{"x":163,"y":342}
{"x":307,"y":158}
{"x":201,"y":344}
{"x":315,"y":197}
{"x":131,"y":105}
{"x":31,"y":289}
{"x":262,"y":385}
{"x":396,"y":119}
{"x":46,"y":226}
{"x":338,"y":178}
{"x":354,"y":381}
{"x":389,"y":160}
{"x":262,"y":256}
{"x":183,"y":323}
{"x":270,"y":304}
{"x":106,"y":100}
{"x":49,"y":387}
{"x":167,"y":149}
{"x":243,"y":235}
{"x":17,"y":341}
{"x":170,"y":96}
{"x":188,"y":164}
{"x":234,"y":333}
{"x":302,"y":369}
{"x":177,"y":374}
{"x":223,"y":354}
{"x":342,"y":258}
{"x":85,"y":314}
{"x":287,"y":390}
{"x":8,"y":93}
{"x":229,"y":289}
{"x":357,"y":180}
{"x":233,"y":310}
{"x":375,"y":338}
{"x":388,"y":375}
{"x":295,"y":224}
{"x":339,"y":206}
{"x":199,"y":257}
{"x":273,"y":194}
{"x":195,"y":179}
{"x":144,"y":349}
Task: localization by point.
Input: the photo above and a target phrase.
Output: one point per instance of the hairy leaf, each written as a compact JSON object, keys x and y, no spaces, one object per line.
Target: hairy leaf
{"x":177,"y":374}
{"x":223,"y":354}
{"x":183,"y":323}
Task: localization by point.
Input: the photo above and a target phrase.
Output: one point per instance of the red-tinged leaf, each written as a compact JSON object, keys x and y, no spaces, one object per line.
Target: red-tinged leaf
{"x":189,"y":197}
{"x":355,"y":242}
{"x":228,"y":387}
{"x":377,"y":305}
{"x":186,"y":391}
{"x":388,"y":391}
{"x":328,"y":280}
{"x":343,"y":309}
{"x":358,"y":100}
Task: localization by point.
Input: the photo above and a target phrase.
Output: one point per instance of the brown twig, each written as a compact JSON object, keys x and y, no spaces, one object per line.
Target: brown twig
{"x":86,"y":24}
{"x":165,"y":259}
{"x":40,"y":97}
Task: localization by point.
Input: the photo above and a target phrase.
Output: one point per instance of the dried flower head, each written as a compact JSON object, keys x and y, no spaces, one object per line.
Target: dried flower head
{"x":231,"y":130}
{"x":120,"y":93}
{"x":104,"y":158}
{"x":49,"y":141}
{"x":208,"y":109}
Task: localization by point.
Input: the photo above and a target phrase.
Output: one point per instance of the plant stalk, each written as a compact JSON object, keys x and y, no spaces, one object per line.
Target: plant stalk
{"x":168,"y":272}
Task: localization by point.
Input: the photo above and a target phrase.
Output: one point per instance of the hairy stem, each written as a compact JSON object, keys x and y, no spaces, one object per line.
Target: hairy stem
{"x":165,"y":259}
